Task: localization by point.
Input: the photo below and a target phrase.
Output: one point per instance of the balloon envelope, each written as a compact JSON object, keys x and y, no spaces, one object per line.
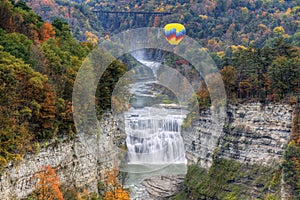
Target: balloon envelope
{"x":174,"y":33}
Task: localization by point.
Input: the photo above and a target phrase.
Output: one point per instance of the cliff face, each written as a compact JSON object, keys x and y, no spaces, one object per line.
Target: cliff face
{"x":256,"y":134}
{"x":243,"y":159}
{"x":74,"y":163}
{"x":200,"y":140}
{"x":252,"y":134}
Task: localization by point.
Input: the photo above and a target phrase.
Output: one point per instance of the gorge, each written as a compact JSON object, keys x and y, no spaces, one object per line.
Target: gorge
{"x":254,"y":138}
{"x":257,"y":136}
{"x":157,"y":147}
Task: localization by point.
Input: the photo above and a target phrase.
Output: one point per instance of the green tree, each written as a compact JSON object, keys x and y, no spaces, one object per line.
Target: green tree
{"x":229,"y":76}
{"x":107,"y":83}
{"x":17,"y":45}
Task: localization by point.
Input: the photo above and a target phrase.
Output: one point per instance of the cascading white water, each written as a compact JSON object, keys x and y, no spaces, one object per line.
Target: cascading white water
{"x":153,"y":136}
{"x":153,"y":133}
{"x":152,"y":65}
{"x":140,"y":56}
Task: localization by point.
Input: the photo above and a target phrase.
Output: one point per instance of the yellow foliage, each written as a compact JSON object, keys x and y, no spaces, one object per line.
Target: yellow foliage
{"x":83,"y":196}
{"x":220,"y":54}
{"x":203,"y":17}
{"x":279,"y":30}
{"x":3,"y":162}
{"x":262,"y":26}
{"x":235,"y":48}
{"x":292,"y":143}
{"x":162,"y":9}
{"x":244,"y":10}
{"x":91,"y":38}
{"x":296,"y":9}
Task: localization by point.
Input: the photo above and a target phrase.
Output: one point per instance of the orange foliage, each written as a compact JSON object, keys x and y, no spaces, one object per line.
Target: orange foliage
{"x":107,"y":37}
{"x":48,"y":185}
{"x":46,"y":31}
{"x":92,"y":38}
{"x":203,"y":96}
{"x":114,"y":190}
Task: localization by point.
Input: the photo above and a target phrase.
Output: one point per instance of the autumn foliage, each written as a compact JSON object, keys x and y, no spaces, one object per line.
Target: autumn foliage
{"x":46,"y":31}
{"x":47,"y":186}
{"x":114,"y":190}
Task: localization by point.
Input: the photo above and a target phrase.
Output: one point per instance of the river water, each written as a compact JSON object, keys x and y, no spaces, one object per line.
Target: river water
{"x":153,"y":125}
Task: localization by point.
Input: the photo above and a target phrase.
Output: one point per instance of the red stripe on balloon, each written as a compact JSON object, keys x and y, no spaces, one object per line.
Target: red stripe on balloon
{"x":171,"y":36}
{"x":179,"y":38}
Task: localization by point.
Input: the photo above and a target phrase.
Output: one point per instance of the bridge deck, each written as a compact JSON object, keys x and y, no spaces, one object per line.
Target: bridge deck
{"x":131,"y":12}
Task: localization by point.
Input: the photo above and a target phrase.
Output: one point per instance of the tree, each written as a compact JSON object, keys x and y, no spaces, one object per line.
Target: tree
{"x":114,"y":190}
{"x":203,"y":96}
{"x":22,"y":4}
{"x":17,"y":45}
{"x":279,"y":30}
{"x":91,"y":38}
{"x":229,"y":76}
{"x":62,"y":29}
{"x":107,"y":84}
{"x":47,"y":186}
{"x":46,"y":31}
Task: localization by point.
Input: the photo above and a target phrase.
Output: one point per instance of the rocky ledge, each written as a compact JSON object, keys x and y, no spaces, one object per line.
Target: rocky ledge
{"x":163,"y":187}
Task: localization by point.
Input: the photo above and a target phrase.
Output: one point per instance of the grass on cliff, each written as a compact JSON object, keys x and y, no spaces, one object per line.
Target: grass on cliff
{"x":230,"y":180}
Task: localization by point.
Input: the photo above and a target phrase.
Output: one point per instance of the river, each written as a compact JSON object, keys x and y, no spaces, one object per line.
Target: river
{"x":153,"y":125}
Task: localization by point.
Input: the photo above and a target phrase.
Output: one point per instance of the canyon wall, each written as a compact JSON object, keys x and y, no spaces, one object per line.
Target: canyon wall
{"x":252,"y":133}
{"x":74,"y":163}
{"x":246,"y":153}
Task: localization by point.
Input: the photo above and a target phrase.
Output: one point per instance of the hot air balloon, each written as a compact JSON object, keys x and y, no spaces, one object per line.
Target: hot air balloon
{"x":174,"y":33}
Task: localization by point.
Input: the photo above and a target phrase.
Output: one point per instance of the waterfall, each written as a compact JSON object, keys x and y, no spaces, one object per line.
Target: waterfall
{"x":153,"y":132}
{"x":153,"y":65}
{"x":153,"y":136}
